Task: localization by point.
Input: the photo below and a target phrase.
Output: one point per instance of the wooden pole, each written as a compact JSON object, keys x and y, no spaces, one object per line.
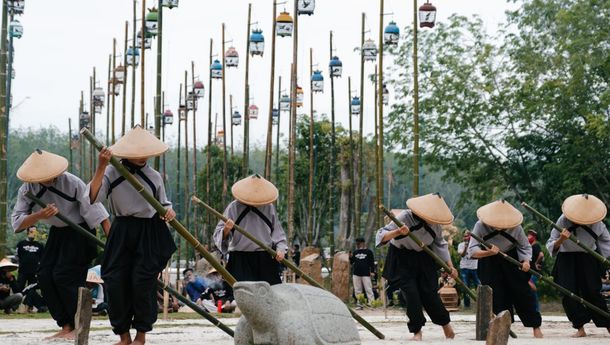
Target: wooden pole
{"x":247,"y":97}
{"x":195,"y":170}
{"x":142,"y":68}
{"x":81,"y":155}
{"x":187,"y":184}
{"x":415,"y":108}
{"x":92,"y":114}
{"x":208,"y":225}
{"x":287,"y":263}
{"x":133,"y":67}
{"x":179,"y":206}
{"x":231,"y":112}
{"x":269,"y":147}
{"x":158,"y":105}
{"x":311,"y":148}
{"x":4,"y":126}
{"x":114,"y":82}
{"x":225,"y":182}
{"x":360,"y":160}
{"x":378,"y":170}
{"x":333,"y":160}
{"x":277,"y":133}
{"x":379,"y":104}
{"x":351,"y":209}
{"x":293,"y":125}
{"x":108,"y":100}
{"x":71,"y":166}
{"x":124,"y":115}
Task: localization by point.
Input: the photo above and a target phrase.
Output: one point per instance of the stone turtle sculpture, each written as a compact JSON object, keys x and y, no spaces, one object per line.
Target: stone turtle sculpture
{"x":291,"y":314}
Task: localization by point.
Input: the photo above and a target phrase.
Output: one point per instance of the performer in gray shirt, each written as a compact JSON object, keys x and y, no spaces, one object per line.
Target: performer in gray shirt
{"x":500,"y":225}
{"x":63,"y":266}
{"x":408,"y":267}
{"x":253,"y":210}
{"x":575,"y":269}
{"x":139,"y":243}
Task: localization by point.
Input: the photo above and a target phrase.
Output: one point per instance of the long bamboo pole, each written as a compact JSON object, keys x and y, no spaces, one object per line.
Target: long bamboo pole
{"x":196,"y":223}
{"x":225,"y":182}
{"x":179,"y":206}
{"x":360,"y":161}
{"x":187,"y":184}
{"x":247,"y":98}
{"x":142,"y":68}
{"x":547,"y":280}
{"x":311,"y":124}
{"x":380,"y":103}
{"x":92,"y":124}
{"x":71,"y":166}
{"x":415,"y":108}
{"x":208,"y":223}
{"x":287,"y":263}
{"x":162,"y":211}
{"x":378,"y":170}
{"x":351,"y":214}
{"x":114,"y":83}
{"x":231,"y":112}
{"x":277,"y":133}
{"x":108,"y":100}
{"x":269,"y":146}
{"x":158,"y":104}
{"x":333,"y":160}
{"x":133,"y":67}
{"x":124,"y":115}
{"x":572,"y":238}
{"x":92,"y":238}
{"x":4,"y":125}
{"x":293,"y":119}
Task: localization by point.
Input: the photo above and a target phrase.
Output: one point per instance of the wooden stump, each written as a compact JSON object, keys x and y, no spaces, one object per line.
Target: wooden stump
{"x":484,"y":311}
{"x":341,"y":276}
{"x":312,"y":266}
{"x":82,"y":320}
{"x":449,"y":297}
{"x":499,"y":328}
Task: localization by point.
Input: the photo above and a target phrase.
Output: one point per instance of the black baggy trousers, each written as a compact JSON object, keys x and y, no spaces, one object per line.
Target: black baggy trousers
{"x":253,"y":266}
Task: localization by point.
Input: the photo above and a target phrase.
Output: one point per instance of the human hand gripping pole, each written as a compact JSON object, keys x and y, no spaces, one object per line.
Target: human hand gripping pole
{"x":199,"y":310}
{"x":286,"y":262}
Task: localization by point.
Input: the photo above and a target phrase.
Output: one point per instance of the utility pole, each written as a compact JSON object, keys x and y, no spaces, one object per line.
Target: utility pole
{"x":360,"y":160}
{"x":124,"y":115}
{"x":333,"y":159}
{"x":311,"y":124}
{"x":224,"y":122}
{"x":142,"y":67}
{"x":269,"y":147}
{"x":293,"y":125}
{"x":247,"y":97}
{"x":158,"y":104}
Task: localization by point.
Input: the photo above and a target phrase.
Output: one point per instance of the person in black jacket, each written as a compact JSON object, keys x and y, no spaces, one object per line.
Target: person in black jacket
{"x":29,"y":252}
{"x":363,"y":268}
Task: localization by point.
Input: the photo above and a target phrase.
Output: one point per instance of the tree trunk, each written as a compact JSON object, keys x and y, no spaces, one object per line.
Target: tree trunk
{"x":344,"y":207}
{"x":371,"y":220}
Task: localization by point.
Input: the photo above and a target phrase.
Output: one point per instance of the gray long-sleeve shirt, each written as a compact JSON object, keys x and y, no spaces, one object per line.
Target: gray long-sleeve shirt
{"x":124,"y":200}
{"x":524,"y":248}
{"x":437,"y":243}
{"x":602,"y":244}
{"x":70,"y":196}
{"x":255,"y":225}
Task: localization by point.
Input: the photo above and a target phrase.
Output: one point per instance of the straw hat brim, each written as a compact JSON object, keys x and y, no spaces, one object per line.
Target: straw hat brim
{"x":42,"y":166}
{"x":138,"y":144}
{"x":254,"y":191}
{"x":6,"y":263}
{"x":584,"y":209}
{"x":500,"y":215}
{"x":431,"y":208}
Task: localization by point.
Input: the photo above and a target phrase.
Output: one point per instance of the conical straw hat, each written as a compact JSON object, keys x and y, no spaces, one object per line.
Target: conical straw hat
{"x":6,"y":263}
{"x":254,"y":191}
{"x":42,"y":166}
{"x":500,"y":215}
{"x":431,"y":208}
{"x":584,"y":209}
{"x":138,"y":143}
{"x":92,"y":277}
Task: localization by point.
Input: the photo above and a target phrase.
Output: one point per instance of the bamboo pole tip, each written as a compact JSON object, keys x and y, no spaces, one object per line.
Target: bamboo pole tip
{"x":84,"y":130}
{"x":524,"y":204}
{"x":195,"y":199}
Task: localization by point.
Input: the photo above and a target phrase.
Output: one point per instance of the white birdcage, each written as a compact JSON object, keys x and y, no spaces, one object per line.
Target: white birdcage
{"x":133,"y":56}
{"x":253,"y":112}
{"x":236,"y":118}
{"x":369,"y":50}
{"x":355,"y":106}
{"x":170,"y":3}
{"x":199,"y":89}
{"x":285,"y":25}
{"x":306,"y":7}
{"x":257,"y":42}
{"x":152,"y":18}
{"x":119,"y":73}
{"x":336,"y":67}
{"x":317,"y":82}
{"x":285,"y":103}
{"x":391,"y":34}
{"x":231,"y":57}
{"x":427,"y":15}
{"x":216,"y":70}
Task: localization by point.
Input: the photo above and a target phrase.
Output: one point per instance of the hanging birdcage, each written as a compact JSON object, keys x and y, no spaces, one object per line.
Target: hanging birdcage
{"x":98,"y":97}
{"x":355,"y":106}
{"x":114,"y":87}
{"x":182,"y":112}
{"x":391,"y":34}
{"x":253,"y":112}
{"x":386,"y":95}
{"x":98,"y":109}
{"x":285,"y":103}
{"x":16,"y":7}
{"x":191,"y":101}
{"x":75,"y":142}
{"x":231,"y":57}
{"x":152,"y":18}
{"x":147,"y":40}
{"x":300,"y":96}
{"x":84,"y":119}
{"x":336,"y":67}
{"x":369,"y":50}
{"x":285,"y":25}
{"x":216,"y":70}
{"x":168,"y":117}
{"x":16,"y":29}
{"x":199,"y":89}
{"x":236,"y":118}
{"x":133,"y":56}
{"x":170,"y":3}
{"x":119,"y":73}
{"x":220,"y":134}
{"x":427,"y":15}
{"x":257,"y":42}
{"x":275,"y":117}
{"x":317,"y":81}
{"x":306,"y":7}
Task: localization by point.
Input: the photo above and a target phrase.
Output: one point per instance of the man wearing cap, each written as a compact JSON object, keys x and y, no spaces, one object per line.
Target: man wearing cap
{"x":29,"y":252}
{"x":63,"y":266}
{"x":575,"y":269}
{"x":363,"y":268}
{"x":253,"y":210}
{"x":139,"y":242}
{"x":500,"y":225}
{"x":410,"y":268}
{"x":468,"y":267}
{"x":9,"y":302}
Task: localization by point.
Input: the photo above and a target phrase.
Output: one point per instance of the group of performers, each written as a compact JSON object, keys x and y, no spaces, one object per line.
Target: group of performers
{"x":139,"y":243}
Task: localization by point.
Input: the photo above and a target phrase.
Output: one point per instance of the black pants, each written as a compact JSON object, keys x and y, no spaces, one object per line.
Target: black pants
{"x":580,"y":273}
{"x":136,"y":251}
{"x":415,"y":273}
{"x":253,"y":266}
{"x":63,"y":269}
{"x":510,"y":288}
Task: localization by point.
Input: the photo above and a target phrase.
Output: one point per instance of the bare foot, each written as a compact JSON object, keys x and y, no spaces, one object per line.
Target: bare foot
{"x":65,"y":330}
{"x":417,"y":336}
{"x":68,"y":336}
{"x":580,"y":333}
{"x":448,"y":330}
{"x":538,"y":333}
{"x":125,"y":339}
{"x":140,"y":339}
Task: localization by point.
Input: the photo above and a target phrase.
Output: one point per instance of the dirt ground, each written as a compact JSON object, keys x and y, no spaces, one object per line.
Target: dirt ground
{"x":197,"y":331}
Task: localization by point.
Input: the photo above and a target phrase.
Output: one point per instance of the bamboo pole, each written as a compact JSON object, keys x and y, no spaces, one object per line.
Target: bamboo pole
{"x":162,"y":211}
{"x":133,"y":67}
{"x":124,"y":114}
{"x":379,"y":104}
{"x":311,"y":124}
{"x":378,"y":170}
{"x":4,"y":126}
{"x":143,"y":123}
{"x":209,"y":149}
{"x":415,"y":109}
{"x":286,"y":262}
{"x":114,"y":82}
{"x":71,"y":166}
{"x":231,"y":112}
{"x":277,"y":133}
{"x":158,"y":105}
{"x":247,"y":97}
{"x":81,"y":156}
{"x":572,"y":238}
{"x":225,"y":182}
{"x":547,"y":280}
{"x":195,"y":176}
{"x":179,"y":207}
{"x":351,"y":214}
{"x":92,"y":123}
{"x":108,"y":101}
{"x":333,"y":160}
{"x":360,"y":161}
{"x":82,"y":231}
{"x":269,"y":147}
{"x":293,"y":119}
{"x":187,"y":184}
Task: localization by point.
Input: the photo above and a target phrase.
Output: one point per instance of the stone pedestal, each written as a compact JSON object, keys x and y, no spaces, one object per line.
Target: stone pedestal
{"x":341,"y":276}
{"x":311,"y":264}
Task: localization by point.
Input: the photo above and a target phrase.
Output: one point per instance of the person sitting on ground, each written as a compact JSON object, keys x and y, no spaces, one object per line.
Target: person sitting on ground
{"x":193,"y":284}
{"x":445,"y":280}
{"x":218,"y":291}
{"x":172,"y":304}
{"x":94,"y":283}
{"x":9,"y":298}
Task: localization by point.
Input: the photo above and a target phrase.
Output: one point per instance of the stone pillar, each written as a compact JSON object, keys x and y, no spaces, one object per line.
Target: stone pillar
{"x":499,"y":329}
{"x":484,"y":311}
{"x":341,"y":276}
{"x":312,"y":266}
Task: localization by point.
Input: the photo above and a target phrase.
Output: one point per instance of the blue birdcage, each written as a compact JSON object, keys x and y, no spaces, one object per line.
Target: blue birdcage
{"x":355,"y":106}
{"x":391,"y":34}
{"x":133,"y":56}
{"x":236,"y":118}
{"x":257,"y":42}
{"x":216,"y":70}
{"x":317,"y":81}
{"x":336,"y":67}
{"x":285,"y":103}
{"x":16,"y":29}
{"x":275,"y":116}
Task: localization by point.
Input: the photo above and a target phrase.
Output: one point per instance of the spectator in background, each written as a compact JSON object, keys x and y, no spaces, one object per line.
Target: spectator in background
{"x":363,"y":267}
{"x":468,"y":267}
{"x":94,"y":283}
{"x":537,"y":259}
{"x":10,"y":299}
{"x":29,"y":252}
{"x":218,"y":294}
{"x":193,"y":284}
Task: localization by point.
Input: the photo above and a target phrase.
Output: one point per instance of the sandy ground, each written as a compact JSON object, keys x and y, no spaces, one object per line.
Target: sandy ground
{"x":557,"y":330}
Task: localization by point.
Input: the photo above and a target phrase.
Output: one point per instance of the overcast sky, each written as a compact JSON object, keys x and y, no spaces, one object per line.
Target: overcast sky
{"x":65,"y":39}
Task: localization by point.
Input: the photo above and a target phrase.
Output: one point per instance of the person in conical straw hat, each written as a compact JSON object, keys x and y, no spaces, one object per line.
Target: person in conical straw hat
{"x":500,"y":225}
{"x":575,"y":269}
{"x":139,"y":243}
{"x":411,"y":269}
{"x":10,"y":298}
{"x":253,"y":210}
{"x":63,"y":265}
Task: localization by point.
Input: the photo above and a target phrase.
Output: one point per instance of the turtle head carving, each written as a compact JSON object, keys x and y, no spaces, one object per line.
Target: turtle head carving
{"x":254,"y":297}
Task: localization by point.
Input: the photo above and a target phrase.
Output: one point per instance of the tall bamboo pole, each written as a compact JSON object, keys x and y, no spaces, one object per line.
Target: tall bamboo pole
{"x":158,"y":105}
{"x":114,"y":82}
{"x":247,"y":97}
{"x":311,"y":123}
{"x":209,"y":150}
{"x":415,"y":107}
{"x":293,"y":120}
{"x":378,"y":174}
{"x":133,"y":67}
{"x":108,"y":100}
{"x":179,"y":207}
{"x":277,"y":133}
{"x":333,"y":160}
{"x":224,"y":123}
{"x":231,"y":112}
{"x":351,"y":209}
{"x":269,"y":147}
{"x":124,"y":115}
{"x":187,"y":184}
{"x":195,"y":176}
{"x":3,"y":130}
{"x":81,"y":155}
{"x":380,"y":99}
{"x":142,"y":68}
{"x":360,"y":160}
{"x":92,"y":123}
{"x":71,"y":166}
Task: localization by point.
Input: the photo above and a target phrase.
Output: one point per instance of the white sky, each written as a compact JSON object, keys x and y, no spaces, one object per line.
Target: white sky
{"x":64,"y":39}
